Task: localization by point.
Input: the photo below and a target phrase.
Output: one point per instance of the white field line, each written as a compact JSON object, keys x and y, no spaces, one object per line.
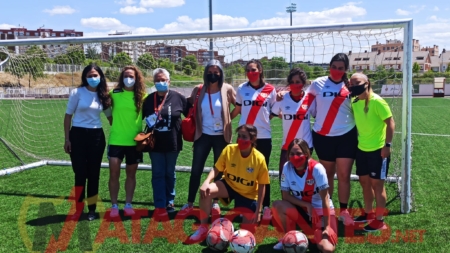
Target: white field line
{"x":424,"y":134}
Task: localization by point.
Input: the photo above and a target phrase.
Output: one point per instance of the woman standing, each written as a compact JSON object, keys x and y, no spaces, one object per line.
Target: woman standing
{"x":375,"y":132}
{"x":254,"y":100}
{"x":162,"y":112}
{"x":85,"y":140}
{"x":213,"y":125}
{"x":127,"y":99}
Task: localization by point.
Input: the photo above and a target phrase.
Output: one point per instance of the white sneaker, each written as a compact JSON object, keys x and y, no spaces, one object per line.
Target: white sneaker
{"x":185,"y":209}
{"x":199,"y":235}
{"x":278,"y":246}
{"x":345,"y":217}
{"x":128,"y":210}
{"x":267,"y":213}
{"x":114,"y":211}
{"x":215,"y":209}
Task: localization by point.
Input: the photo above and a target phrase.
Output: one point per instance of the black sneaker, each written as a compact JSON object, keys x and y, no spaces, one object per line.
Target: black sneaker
{"x":91,"y":215}
{"x":170,"y":208}
{"x":375,"y":225}
{"x":366,"y":217}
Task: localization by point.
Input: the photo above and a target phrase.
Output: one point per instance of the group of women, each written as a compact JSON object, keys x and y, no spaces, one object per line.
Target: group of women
{"x":344,"y":129}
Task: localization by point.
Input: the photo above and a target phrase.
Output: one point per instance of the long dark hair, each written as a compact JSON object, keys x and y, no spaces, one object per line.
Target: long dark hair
{"x":102,"y":88}
{"x":139,"y":86}
{"x":259,"y":66}
{"x":303,"y":146}
{"x":251,"y":130}
{"x":343,"y":58}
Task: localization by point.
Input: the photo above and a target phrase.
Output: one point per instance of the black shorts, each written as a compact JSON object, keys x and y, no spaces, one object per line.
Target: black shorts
{"x":284,"y":159}
{"x":239,"y":200}
{"x":329,"y":148}
{"x":372,"y":164}
{"x":132,"y":156}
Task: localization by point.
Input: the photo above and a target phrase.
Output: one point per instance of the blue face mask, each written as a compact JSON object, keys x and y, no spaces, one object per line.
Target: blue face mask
{"x":93,"y":81}
{"x":162,"y":86}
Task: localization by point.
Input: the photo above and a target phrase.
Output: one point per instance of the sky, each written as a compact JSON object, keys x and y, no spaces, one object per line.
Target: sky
{"x":100,"y":17}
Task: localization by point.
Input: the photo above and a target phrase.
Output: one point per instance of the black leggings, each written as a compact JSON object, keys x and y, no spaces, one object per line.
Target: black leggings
{"x":265,"y":147}
{"x":88,"y":146}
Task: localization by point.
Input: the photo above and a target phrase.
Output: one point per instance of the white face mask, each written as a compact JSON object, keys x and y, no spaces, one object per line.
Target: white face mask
{"x":129,"y":82}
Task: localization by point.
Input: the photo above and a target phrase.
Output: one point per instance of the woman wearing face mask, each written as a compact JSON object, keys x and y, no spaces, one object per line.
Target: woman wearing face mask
{"x":162,"y":111}
{"x":254,"y":100}
{"x":375,"y":131}
{"x":85,"y":140}
{"x":295,"y":110}
{"x":242,"y":161}
{"x":127,"y":99}
{"x":304,"y":187}
{"x":213,"y":125}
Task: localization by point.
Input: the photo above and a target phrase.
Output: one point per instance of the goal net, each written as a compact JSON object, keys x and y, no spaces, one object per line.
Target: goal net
{"x":39,"y":74}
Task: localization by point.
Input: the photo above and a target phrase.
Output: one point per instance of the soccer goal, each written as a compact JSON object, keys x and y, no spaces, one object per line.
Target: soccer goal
{"x":31,"y":127}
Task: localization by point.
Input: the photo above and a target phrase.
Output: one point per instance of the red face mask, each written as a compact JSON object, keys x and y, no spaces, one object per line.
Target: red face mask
{"x":297,"y":161}
{"x":243,"y":144}
{"x":296,"y":88}
{"x":252,"y":76}
{"x":336,"y":74}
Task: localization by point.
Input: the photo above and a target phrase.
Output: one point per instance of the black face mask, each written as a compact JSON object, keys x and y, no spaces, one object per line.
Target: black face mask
{"x":212,"y":78}
{"x":357,"y":90}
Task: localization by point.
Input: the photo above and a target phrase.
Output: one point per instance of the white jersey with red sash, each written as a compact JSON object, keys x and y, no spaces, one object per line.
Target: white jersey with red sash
{"x":296,"y":118}
{"x":306,"y":187}
{"x":333,"y":107}
{"x":256,"y":106}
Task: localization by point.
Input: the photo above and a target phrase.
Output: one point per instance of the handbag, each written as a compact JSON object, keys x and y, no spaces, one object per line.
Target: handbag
{"x":188,"y":123}
{"x":145,"y":141}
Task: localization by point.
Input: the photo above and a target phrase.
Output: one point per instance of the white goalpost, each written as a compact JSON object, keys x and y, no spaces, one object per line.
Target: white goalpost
{"x":33,"y":101}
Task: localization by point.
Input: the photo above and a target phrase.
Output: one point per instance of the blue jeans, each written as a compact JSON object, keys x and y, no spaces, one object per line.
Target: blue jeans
{"x":163,"y":177}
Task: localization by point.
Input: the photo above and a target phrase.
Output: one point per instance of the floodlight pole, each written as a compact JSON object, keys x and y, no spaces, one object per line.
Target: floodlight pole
{"x":211,"y":52}
{"x":290,"y":9}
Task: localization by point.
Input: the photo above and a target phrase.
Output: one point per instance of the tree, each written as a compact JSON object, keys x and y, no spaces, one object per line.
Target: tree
{"x":319,"y":71}
{"x":112,"y":75}
{"x":122,"y":59}
{"x":16,"y":67}
{"x":416,"y":68}
{"x":190,"y":60}
{"x":187,"y":70}
{"x":166,"y":64}
{"x":234,"y":70}
{"x":35,"y":63}
{"x":146,"y":61}
{"x":380,"y":75}
{"x":92,"y":53}
{"x":74,"y":55}
{"x":448,"y":67}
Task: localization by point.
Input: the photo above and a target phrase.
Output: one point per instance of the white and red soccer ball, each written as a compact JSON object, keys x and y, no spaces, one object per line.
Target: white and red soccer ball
{"x":243,"y":241}
{"x":295,"y":242}
{"x":220,"y":234}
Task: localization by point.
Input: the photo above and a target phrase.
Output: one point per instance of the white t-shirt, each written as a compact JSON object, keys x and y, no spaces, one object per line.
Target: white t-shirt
{"x":208,"y":120}
{"x":296,"y":118}
{"x":333,"y":107}
{"x":85,"y":106}
{"x":246,"y":97}
{"x":295,"y":184}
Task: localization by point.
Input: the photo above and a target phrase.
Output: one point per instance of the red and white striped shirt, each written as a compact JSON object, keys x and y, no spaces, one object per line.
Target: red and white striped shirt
{"x":296,"y":118}
{"x":334,"y":115}
{"x":256,"y":106}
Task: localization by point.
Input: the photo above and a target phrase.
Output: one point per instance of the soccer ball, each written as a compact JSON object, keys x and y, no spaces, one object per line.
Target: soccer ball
{"x":219,"y":236}
{"x":243,"y":241}
{"x":295,"y":242}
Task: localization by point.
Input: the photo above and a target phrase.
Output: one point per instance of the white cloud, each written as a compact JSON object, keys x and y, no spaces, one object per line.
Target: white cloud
{"x":220,"y":22}
{"x":161,"y":3}
{"x":401,"y":12}
{"x":417,"y":8}
{"x":436,"y":8}
{"x":340,"y":14}
{"x":133,"y":10}
{"x":139,"y":30}
{"x":99,"y":23}
{"x":60,"y":10}
{"x":6,"y":26}
{"x":434,"y":33}
{"x":125,"y":2}
{"x":143,"y":30}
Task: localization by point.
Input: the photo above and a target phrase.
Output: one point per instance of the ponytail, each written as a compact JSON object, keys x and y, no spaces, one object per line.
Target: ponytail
{"x":366,"y":102}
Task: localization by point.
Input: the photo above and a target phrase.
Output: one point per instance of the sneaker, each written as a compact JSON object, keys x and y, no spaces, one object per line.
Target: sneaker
{"x":91,"y":215}
{"x":186,"y":209}
{"x":114,"y":211}
{"x":375,"y":225}
{"x":346,"y":218}
{"x":199,"y":235}
{"x":170,"y":208}
{"x":278,"y":246}
{"x":128,"y":210}
{"x":160,"y":211}
{"x":267,"y":213}
{"x":215,"y":209}
{"x":366,"y":217}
